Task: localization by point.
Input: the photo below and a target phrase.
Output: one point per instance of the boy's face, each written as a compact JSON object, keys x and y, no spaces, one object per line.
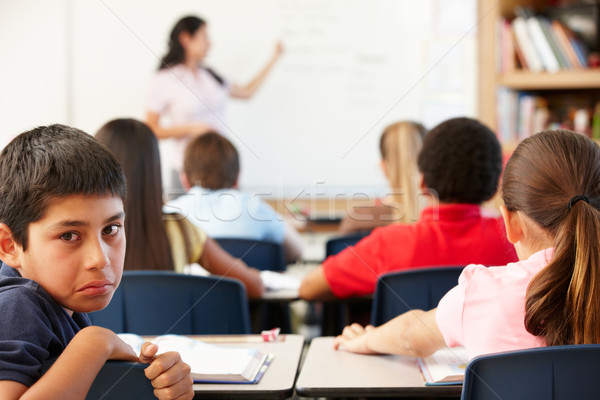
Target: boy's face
{"x":76,"y":251}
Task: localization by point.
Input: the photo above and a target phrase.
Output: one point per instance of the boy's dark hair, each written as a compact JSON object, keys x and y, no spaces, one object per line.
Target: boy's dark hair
{"x":211,"y":161}
{"x":51,"y":162}
{"x":461,"y":161}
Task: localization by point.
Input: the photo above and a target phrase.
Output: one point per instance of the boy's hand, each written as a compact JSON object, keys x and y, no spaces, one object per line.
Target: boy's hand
{"x":169,"y":375}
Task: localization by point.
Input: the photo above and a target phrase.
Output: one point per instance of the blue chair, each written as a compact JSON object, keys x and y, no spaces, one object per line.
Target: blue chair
{"x":398,"y":292}
{"x":338,"y":313}
{"x":335,"y":245}
{"x":259,"y":254}
{"x":558,"y":373}
{"x":118,"y":380}
{"x":161,"y":302}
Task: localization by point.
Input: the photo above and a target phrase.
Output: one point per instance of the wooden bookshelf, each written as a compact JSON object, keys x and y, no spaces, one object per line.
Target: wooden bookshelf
{"x":489,"y":12}
{"x":525,"y":80}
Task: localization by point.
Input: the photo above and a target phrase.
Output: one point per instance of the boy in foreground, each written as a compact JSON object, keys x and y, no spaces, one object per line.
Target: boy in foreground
{"x":62,"y":245}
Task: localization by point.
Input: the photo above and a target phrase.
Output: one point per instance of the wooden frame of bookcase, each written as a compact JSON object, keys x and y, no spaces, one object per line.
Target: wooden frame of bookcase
{"x":489,"y":79}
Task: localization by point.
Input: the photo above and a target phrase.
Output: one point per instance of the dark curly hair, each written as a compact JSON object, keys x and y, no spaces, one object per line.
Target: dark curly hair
{"x":461,"y":161}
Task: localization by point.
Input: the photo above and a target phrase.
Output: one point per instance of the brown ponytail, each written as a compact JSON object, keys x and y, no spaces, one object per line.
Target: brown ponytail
{"x":546,"y":171}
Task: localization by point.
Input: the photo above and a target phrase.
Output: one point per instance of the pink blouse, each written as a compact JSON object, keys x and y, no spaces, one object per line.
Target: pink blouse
{"x":485,"y":313}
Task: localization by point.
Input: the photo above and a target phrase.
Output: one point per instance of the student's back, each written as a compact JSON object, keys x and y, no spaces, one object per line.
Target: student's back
{"x":158,"y":240}
{"x":453,"y":234}
{"x":551,"y":296}
{"x":213,"y":203}
{"x":461,"y":164}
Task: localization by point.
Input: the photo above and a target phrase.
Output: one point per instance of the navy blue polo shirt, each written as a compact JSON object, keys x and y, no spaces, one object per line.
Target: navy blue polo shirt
{"x":33,"y":327}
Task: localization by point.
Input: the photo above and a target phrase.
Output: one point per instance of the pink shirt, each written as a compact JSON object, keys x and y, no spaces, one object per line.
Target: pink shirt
{"x":485,"y":313}
{"x":185,"y":97}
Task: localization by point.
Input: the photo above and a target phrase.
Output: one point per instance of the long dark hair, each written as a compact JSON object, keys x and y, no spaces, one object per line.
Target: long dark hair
{"x":136,"y":148}
{"x":544,"y":175}
{"x":176,"y":55}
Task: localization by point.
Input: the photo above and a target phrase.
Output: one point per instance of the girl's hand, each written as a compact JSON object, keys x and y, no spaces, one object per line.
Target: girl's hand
{"x":354,"y":339}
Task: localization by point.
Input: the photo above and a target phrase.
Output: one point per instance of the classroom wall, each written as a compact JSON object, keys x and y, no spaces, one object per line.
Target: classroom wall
{"x":349,"y":68}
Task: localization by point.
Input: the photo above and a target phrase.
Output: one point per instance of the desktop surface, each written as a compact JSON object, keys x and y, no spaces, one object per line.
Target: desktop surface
{"x":277,"y":382}
{"x":330,"y":373}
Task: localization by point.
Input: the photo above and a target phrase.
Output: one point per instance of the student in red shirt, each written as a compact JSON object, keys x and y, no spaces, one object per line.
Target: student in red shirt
{"x":460,"y":164}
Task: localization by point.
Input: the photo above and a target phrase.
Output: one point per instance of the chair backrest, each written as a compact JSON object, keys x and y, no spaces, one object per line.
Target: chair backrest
{"x":259,"y":254}
{"x":558,"y":373}
{"x":334,"y":245}
{"x":161,"y":302}
{"x":399,"y":292}
{"x":117,"y":380}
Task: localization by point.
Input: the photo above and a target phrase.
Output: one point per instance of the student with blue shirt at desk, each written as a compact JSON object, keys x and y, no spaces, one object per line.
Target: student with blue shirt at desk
{"x":62,"y":245}
{"x":212,"y":168}
{"x":157,"y":240}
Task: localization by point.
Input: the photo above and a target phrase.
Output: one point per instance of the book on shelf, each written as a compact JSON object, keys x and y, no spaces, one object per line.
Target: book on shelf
{"x":210,"y":363}
{"x":559,"y":54}
{"x":541,"y":44}
{"x":444,"y":367}
{"x":562,"y":37}
{"x":525,"y":43}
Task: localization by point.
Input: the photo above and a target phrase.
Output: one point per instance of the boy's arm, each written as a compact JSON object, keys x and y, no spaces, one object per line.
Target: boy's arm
{"x":414,"y":333}
{"x":72,"y":374}
{"x":314,"y":286}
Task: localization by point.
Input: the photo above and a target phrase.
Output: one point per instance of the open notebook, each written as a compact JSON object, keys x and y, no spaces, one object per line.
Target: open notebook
{"x":444,"y":367}
{"x":210,"y":363}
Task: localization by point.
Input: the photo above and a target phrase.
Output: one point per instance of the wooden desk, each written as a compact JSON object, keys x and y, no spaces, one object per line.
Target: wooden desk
{"x":278,"y":380}
{"x":330,"y":373}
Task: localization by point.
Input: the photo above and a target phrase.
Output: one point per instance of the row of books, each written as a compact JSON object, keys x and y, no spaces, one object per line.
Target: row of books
{"x":521,"y":114}
{"x":537,"y":43}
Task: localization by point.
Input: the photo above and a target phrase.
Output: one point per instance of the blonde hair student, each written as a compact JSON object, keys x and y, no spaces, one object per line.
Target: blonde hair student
{"x":399,"y":146}
{"x":551,"y":193}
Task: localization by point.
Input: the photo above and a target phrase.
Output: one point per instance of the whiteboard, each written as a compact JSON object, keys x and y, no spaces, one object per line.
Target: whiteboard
{"x":350,"y":67}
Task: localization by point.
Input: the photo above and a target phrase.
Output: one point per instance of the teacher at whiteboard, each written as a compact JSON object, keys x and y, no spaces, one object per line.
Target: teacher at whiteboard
{"x":190,"y":95}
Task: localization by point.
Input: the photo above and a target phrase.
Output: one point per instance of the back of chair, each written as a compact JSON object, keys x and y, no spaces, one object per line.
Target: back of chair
{"x":558,"y":373}
{"x":117,"y":380}
{"x":337,"y":244}
{"x":161,"y":302}
{"x":398,"y":292}
{"x":259,"y":254}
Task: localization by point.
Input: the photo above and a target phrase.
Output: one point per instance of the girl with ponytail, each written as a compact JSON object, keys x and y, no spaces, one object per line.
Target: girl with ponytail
{"x":551,"y":193}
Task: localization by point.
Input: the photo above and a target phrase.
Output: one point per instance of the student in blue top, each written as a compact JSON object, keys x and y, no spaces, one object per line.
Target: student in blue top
{"x":212,"y":166}
{"x":62,"y":245}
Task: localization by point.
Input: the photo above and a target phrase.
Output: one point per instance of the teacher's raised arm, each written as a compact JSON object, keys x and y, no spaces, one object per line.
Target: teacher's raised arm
{"x":186,"y":98}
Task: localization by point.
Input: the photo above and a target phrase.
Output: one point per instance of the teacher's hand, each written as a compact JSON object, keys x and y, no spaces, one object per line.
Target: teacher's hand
{"x":278,"y":49}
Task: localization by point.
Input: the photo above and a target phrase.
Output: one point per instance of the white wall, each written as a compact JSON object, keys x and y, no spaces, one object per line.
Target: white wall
{"x":350,"y":67}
